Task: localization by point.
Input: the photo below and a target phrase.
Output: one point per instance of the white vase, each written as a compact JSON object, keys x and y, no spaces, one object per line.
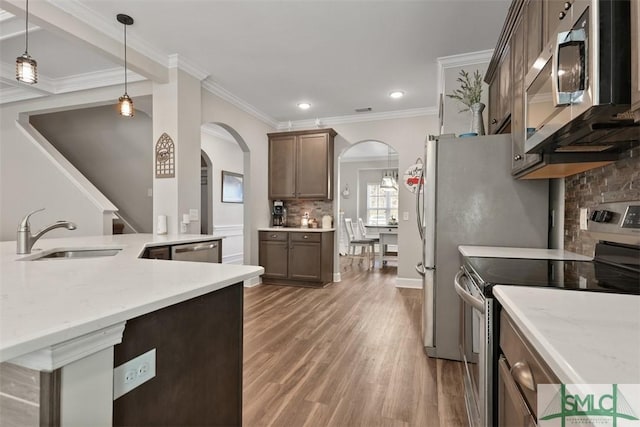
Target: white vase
{"x":477,"y":123}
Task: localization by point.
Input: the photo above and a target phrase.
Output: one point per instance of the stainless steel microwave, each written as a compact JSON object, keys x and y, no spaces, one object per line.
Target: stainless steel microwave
{"x":578,"y":92}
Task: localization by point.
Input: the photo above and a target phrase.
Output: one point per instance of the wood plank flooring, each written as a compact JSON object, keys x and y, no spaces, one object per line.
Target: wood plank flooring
{"x":346,"y":355}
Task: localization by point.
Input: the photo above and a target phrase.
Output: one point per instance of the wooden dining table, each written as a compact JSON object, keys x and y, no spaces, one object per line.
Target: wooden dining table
{"x":388,"y":235}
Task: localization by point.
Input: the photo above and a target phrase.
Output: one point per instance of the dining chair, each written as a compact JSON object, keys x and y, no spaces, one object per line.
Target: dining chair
{"x":365,"y":235}
{"x":365,"y":245}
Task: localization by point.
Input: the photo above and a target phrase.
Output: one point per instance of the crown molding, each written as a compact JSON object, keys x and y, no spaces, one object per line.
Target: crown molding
{"x":358,"y":118}
{"x":18,"y":32}
{"x":217,"y":132}
{"x":95,"y":79}
{"x":221,"y":92}
{"x":15,"y":94}
{"x":112,"y":29}
{"x":464,"y":59}
{"x":48,"y":86}
{"x":4,"y":15}
{"x":176,"y":61}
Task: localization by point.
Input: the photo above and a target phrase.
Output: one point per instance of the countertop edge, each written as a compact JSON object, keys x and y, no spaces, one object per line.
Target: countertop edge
{"x":297,"y":229}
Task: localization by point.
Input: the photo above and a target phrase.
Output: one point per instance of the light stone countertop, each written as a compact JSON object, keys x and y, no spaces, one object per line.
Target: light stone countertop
{"x":531,"y":253}
{"x":584,"y":337}
{"x":306,"y":230}
{"x":46,"y":302}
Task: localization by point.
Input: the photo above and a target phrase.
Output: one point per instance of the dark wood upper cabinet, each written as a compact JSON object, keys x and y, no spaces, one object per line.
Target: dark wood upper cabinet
{"x":301,"y":164}
{"x":282,"y":171}
{"x":519,"y":49}
{"x":534,"y":29}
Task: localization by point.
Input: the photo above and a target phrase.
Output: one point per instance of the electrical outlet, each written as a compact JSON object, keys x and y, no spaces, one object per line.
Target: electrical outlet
{"x":133,"y":373}
{"x":193,"y":214}
{"x":583,"y":218}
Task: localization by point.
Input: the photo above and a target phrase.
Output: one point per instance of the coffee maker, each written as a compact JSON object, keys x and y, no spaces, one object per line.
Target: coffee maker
{"x":278,"y":214}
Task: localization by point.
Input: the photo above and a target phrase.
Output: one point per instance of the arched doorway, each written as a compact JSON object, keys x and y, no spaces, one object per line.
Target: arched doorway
{"x":362,"y":196}
{"x":225,"y":153}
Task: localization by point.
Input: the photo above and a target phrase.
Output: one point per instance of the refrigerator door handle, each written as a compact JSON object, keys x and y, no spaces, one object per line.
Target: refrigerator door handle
{"x":466,"y":296}
{"x":419,"y":219}
{"x":420,"y":269}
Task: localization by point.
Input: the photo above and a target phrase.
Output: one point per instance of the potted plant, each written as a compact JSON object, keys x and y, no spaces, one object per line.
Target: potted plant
{"x":469,"y":95}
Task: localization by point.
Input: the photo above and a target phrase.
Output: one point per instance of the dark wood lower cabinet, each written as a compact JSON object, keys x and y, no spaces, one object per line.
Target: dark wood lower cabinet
{"x":520,"y":370}
{"x":297,"y":257}
{"x":198,"y":378}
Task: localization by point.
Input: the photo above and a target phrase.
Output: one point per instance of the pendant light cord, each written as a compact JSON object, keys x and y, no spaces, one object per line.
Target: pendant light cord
{"x":125,"y":59}
{"x":26,"y":31}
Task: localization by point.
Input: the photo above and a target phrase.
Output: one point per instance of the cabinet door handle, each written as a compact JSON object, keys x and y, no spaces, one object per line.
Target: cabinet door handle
{"x":305,"y":237}
{"x":517,"y":157}
{"x":567,"y":5}
{"x":521,"y":372}
{"x":494,"y":121}
{"x":273,"y":236}
{"x":561,"y":15}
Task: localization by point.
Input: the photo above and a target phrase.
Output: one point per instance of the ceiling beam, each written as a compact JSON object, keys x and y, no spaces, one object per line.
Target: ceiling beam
{"x":66,"y":25}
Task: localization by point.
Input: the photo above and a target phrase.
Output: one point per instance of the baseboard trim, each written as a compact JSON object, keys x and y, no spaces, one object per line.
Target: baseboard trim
{"x":237,"y":258}
{"x":402,"y":282}
{"x":255,"y":281}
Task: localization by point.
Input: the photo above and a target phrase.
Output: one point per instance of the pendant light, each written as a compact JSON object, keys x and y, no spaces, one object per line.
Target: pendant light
{"x":388,"y":179}
{"x":125,"y":103}
{"x":26,"y":67}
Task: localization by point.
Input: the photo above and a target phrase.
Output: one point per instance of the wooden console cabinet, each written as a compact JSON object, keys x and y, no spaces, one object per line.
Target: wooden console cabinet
{"x":297,"y":257}
{"x":301,"y":165}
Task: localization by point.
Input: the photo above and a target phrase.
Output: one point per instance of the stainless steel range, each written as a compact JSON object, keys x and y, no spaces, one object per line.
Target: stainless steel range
{"x":614,"y":268}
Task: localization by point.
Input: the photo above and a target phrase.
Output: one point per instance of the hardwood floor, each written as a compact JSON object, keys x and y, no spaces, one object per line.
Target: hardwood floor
{"x":346,"y":355}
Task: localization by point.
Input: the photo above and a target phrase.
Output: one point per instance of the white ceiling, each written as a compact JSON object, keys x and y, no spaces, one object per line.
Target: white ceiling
{"x":338,"y":55}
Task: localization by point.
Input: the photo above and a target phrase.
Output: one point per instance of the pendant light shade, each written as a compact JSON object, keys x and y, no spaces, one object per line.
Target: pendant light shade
{"x":125,"y":103}
{"x":26,"y":67}
{"x":388,"y":178}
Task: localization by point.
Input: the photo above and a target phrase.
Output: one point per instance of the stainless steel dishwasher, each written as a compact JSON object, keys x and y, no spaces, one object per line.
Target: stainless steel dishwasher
{"x":210,"y":251}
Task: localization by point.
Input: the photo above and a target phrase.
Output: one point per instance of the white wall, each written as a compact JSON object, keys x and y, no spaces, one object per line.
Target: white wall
{"x":28,"y":179}
{"x":225,"y":154}
{"x":111,"y":151}
{"x":407,"y":137}
{"x":253,"y":134}
{"x":455,"y":121}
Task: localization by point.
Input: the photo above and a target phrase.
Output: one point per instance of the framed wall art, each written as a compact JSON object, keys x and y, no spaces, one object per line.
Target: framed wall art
{"x":232,"y":187}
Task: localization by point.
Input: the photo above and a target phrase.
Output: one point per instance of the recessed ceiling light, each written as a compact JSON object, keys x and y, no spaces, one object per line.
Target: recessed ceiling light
{"x":304,"y":105}
{"x":396,"y":94}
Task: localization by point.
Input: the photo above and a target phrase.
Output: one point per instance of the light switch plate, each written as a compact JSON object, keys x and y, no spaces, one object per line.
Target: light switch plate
{"x":405,"y":216}
{"x":149,"y":192}
{"x":134,"y":373}
{"x":193,"y":214}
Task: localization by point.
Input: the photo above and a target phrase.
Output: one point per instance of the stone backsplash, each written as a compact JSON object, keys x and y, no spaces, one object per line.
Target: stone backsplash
{"x":617,"y":182}
{"x":316,"y":208}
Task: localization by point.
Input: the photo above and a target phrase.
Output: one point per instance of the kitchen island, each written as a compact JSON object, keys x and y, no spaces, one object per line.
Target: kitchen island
{"x":57,"y":315}
{"x":589,"y":341}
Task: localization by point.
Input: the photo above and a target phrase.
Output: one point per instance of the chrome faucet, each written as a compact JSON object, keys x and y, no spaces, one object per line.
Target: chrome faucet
{"x":26,"y":240}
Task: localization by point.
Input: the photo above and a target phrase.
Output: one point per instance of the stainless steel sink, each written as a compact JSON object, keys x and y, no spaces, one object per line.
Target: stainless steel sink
{"x":74,"y":253}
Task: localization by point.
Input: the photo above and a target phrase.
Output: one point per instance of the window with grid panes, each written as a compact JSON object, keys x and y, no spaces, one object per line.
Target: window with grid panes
{"x":381,"y":204}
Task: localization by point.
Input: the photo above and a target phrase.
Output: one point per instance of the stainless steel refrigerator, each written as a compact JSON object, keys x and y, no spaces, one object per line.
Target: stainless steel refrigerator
{"x":469,"y":198}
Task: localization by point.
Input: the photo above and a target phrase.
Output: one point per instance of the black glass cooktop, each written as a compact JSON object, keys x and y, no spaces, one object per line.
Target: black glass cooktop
{"x":571,"y":275}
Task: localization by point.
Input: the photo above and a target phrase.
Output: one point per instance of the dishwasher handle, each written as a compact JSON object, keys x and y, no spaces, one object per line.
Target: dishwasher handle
{"x":466,"y":296}
{"x":196,"y":248}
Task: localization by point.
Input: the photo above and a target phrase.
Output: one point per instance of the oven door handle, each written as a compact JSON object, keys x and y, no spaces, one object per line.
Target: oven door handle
{"x":466,"y":296}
